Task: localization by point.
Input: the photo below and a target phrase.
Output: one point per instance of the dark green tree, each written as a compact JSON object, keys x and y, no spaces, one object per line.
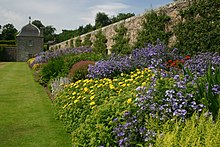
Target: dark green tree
{"x":121,"y":45}
{"x":49,"y":33}
{"x":99,"y":45}
{"x":101,"y":20}
{"x":153,"y":29}
{"x":121,"y":16}
{"x":88,"y":28}
{"x":9,"y":32}
{"x":38,"y":24}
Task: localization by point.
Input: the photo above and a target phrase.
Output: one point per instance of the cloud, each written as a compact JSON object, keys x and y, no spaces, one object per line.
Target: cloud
{"x":8,"y":16}
{"x":108,"y":8}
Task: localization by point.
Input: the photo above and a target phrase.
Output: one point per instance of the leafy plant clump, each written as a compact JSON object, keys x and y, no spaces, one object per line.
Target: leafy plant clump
{"x":153,"y":27}
{"x":200,"y":29}
{"x":44,"y":57}
{"x":60,"y":67}
{"x":121,"y":45}
{"x":99,"y":45}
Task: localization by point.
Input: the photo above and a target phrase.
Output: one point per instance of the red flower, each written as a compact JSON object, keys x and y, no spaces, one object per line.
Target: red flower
{"x":187,"y":57}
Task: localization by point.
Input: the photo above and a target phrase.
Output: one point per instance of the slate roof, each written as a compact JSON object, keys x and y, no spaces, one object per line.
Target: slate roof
{"x":29,"y":30}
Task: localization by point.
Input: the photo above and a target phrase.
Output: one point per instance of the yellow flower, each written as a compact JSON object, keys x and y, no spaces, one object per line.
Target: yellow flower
{"x":135,"y":75}
{"x":92,"y":103}
{"x":144,"y":84}
{"x":92,"y":97}
{"x":129,"y":100}
{"x":120,"y":83}
{"x":111,"y":86}
{"x":123,"y":85}
{"x":76,"y":101}
{"x":74,"y":93}
{"x":86,"y":89}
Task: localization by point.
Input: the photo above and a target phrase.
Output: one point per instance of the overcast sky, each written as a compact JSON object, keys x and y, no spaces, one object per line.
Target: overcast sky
{"x":69,"y":14}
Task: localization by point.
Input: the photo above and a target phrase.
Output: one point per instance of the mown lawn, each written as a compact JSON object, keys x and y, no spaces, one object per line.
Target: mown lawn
{"x":26,"y":113}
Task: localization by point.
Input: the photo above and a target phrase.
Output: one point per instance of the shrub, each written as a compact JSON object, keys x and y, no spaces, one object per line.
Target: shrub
{"x":44,"y":57}
{"x":79,"y":70}
{"x":60,"y":67}
{"x":196,"y":132}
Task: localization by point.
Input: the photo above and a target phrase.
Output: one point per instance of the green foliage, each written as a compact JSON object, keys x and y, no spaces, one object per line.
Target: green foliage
{"x":8,"y":42}
{"x":121,"y":16}
{"x":99,"y":45}
{"x":71,"y":43}
{"x":200,"y":30}
{"x":87,"y":107}
{"x":197,"y":132}
{"x":38,"y":24}
{"x":101,"y":20}
{"x":87,"y":42}
{"x":78,"y":42}
{"x":121,"y":45}
{"x":61,"y":66}
{"x":205,"y":85}
{"x":153,"y":29}
{"x":8,"y":32}
{"x":48,"y":31}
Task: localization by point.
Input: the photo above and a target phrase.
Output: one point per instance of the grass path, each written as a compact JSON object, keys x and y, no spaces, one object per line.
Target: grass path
{"x":26,"y":115}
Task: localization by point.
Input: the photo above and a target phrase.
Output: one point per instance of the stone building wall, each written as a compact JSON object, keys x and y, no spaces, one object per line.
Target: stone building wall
{"x":27,"y":47}
{"x":134,"y":25}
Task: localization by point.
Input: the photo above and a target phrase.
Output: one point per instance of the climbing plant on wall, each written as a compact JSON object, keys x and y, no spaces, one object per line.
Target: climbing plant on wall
{"x":121,"y":45}
{"x":78,"y":42}
{"x":99,"y":45}
{"x":87,"y":41}
{"x":200,"y":30}
{"x":153,"y":28}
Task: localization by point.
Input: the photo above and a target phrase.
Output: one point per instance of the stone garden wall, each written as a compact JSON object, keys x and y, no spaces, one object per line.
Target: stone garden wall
{"x":133,"y":24}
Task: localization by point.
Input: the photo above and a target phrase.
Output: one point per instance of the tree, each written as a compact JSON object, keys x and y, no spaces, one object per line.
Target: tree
{"x":88,"y":28}
{"x":49,"y":33}
{"x":38,"y":24}
{"x":121,"y":16}
{"x":9,"y":32}
{"x":101,"y":20}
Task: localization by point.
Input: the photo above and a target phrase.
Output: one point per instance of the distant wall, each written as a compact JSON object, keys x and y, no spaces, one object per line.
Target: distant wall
{"x":133,"y":24}
{"x":8,"y":54}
